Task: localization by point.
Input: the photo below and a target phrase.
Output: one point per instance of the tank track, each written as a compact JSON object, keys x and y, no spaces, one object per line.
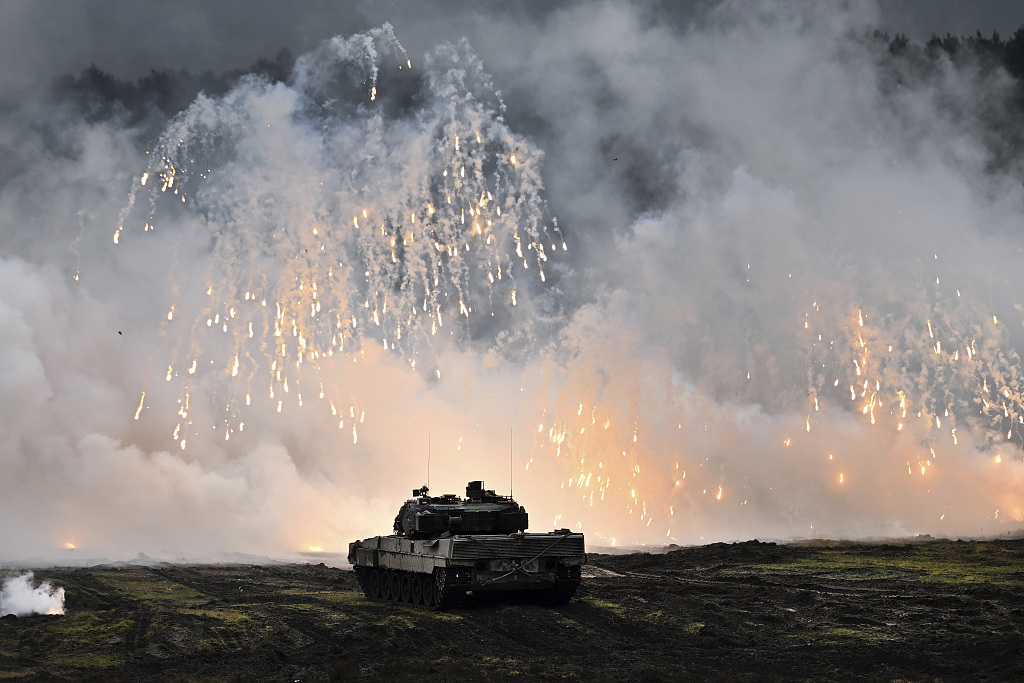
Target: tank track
{"x":442,"y":594}
{"x":363,"y":579}
{"x":434,"y":591}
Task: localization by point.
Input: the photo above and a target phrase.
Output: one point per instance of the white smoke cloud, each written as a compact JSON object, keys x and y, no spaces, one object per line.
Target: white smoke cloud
{"x":725,"y":192}
{"x":20,"y":597}
{"x":796,"y":201}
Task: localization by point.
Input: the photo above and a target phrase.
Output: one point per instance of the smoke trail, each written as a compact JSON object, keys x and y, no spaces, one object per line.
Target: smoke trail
{"x":18,"y":596}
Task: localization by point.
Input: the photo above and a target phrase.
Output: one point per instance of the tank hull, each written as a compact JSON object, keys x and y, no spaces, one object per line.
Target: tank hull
{"x":437,"y":572}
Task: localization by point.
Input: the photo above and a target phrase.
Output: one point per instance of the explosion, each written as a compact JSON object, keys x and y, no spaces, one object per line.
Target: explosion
{"x":350,"y":228}
{"x":788,"y":311}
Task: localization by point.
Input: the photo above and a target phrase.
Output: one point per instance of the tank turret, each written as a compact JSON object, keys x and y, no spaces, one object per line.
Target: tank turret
{"x":481,"y":512}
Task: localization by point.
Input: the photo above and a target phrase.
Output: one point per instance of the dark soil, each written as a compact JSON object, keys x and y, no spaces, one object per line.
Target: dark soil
{"x":920,"y":611}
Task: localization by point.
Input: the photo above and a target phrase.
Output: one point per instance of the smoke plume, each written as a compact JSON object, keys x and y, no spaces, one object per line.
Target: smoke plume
{"x":18,"y":596}
{"x":743,"y":273}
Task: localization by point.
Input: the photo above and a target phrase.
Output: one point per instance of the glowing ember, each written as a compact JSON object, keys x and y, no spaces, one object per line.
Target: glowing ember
{"x":383,"y":273}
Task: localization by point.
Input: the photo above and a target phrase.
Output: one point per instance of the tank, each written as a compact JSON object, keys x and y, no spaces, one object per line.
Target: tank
{"x":445,"y":546}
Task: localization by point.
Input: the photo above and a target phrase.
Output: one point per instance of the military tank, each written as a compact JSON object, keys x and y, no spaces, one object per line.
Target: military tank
{"x":445,"y":546}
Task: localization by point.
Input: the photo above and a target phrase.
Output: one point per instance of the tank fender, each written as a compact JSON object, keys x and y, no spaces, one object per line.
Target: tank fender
{"x":363,"y":557}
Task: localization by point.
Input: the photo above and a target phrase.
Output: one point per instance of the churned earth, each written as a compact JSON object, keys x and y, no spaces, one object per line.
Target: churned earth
{"x":924,"y":610}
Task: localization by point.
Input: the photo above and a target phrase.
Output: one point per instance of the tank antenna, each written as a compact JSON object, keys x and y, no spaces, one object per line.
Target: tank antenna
{"x":510,"y":462}
{"x":428,"y":459}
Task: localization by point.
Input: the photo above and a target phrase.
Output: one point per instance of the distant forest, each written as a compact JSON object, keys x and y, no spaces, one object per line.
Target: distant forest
{"x":992,"y":51}
{"x":162,"y":94}
{"x":997,"y":116}
{"x":993,"y":110}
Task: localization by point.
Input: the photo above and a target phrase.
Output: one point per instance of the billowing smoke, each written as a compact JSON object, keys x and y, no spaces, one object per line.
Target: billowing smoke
{"x":750,"y":276}
{"x":20,"y":597}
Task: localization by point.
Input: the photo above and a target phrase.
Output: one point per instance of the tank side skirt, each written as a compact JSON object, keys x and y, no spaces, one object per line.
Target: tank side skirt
{"x":405,"y":554}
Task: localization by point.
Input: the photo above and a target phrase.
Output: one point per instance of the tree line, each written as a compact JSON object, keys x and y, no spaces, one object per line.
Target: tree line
{"x":992,"y":110}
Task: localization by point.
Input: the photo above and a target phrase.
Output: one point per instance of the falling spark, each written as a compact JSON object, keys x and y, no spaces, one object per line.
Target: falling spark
{"x":298,"y":301}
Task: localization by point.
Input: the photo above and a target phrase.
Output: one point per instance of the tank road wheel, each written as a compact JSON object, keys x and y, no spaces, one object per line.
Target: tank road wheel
{"x":385,"y":584}
{"x":406,"y":587}
{"x":396,"y":587}
{"x":417,"y":589}
{"x":374,"y":584}
{"x":427,"y":583}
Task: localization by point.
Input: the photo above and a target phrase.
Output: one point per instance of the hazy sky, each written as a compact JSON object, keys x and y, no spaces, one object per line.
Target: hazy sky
{"x":725,"y":271}
{"x":41,"y":39}
{"x":921,"y":19}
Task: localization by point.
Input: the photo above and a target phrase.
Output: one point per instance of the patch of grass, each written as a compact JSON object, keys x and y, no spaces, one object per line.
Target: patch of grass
{"x":836,"y":636}
{"x":29,"y":635}
{"x":228,"y":616}
{"x":323,"y":614}
{"x":602,"y":604}
{"x":87,"y":627}
{"x":444,"y":616}
{"x":224,"y":640}
{"x":355,"y":598}
{"x":936,"y":562}
{"x":150,"y":588}
{"x":398,"y":622}
{"x":692,"y":628}
{"x":8,"y":643}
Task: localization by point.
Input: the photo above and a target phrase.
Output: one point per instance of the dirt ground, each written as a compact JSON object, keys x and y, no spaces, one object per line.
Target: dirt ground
{"x":898,"y":611}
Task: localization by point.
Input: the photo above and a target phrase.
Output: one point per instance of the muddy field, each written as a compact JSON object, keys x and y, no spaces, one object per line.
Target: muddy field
{"x":921,"y":611}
